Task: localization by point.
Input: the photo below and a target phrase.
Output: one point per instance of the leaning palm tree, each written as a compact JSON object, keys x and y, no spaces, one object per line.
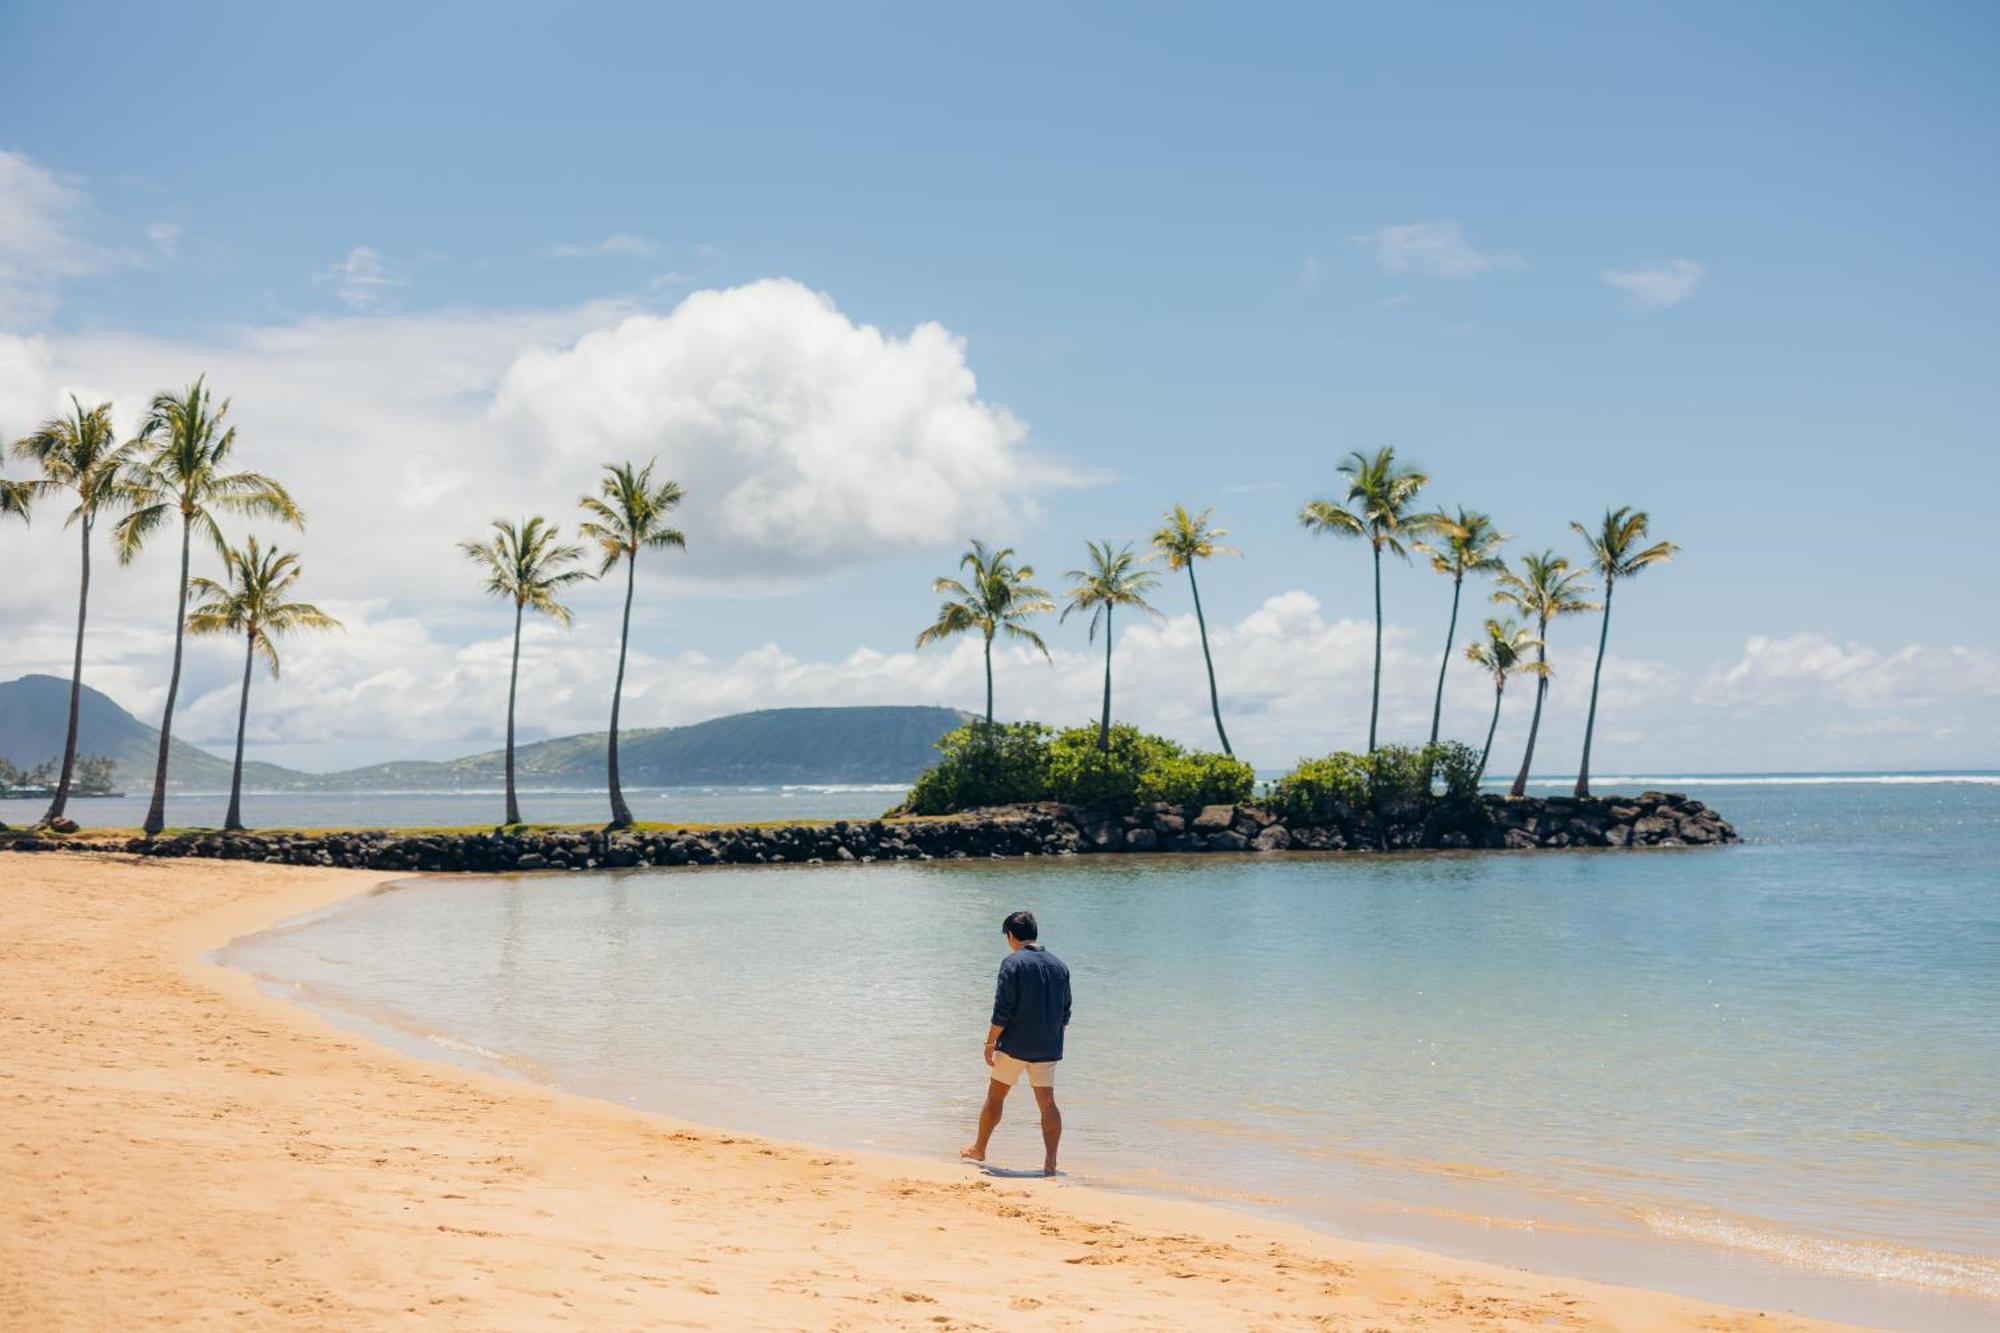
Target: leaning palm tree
{"x":627,"y":515}
{"x":1502,"y":653}
{"x":1379,"y":505}
{"x":184,"y":449}
{"x":1184,"y":539}
{"x":997,"y":598}
{"x":1114,"y":579}
{"x":79,"y":453}
{"x":1466,"y":543}
{"x":527,"y":564}
{"x":1545,"y":588}
{"x":1615,"y":554}
{"x":251,"y":602}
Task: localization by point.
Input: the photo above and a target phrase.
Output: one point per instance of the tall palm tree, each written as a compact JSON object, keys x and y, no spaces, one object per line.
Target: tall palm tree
{"x":1465,"y":543}
{"x":1502,"y":652}
{"x":997,"y":598}
{"x":78,"y":453}
{"x":1183,"y":539}
{"x":1615,"y":554}
{"x":1545,"y":588}
{"x":527,"y":564}
{"x":627,"y":515}
{"x":182,"y":470}
{"x":1114,"y":579}
{"x":251,"y":602}
{"x":1379,"y":505}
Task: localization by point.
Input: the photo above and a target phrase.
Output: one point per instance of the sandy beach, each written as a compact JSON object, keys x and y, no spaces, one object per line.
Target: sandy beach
{"x":186,"y":1151}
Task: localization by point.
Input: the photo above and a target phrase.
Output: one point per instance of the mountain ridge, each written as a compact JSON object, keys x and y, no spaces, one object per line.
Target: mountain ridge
{"x":868,"y":743}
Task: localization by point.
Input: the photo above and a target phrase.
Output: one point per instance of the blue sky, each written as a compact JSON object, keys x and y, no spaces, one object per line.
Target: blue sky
{"x":1736,"y":267}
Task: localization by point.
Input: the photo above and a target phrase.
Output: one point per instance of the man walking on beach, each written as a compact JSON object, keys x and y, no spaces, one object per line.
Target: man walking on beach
{"x":1030,"y":1011}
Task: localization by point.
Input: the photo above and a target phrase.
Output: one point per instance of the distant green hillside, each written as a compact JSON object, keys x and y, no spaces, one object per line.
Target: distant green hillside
{"x":34,"y":715}
{"x":772,"y":746}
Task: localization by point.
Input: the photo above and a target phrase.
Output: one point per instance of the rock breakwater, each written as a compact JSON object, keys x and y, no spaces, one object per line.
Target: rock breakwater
{"x":1652,"y":819}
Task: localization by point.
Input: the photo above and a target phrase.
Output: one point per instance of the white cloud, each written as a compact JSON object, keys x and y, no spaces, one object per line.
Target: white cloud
{"x":1312,"y":271}
{"x":1658,"y":286}
{"x":165,"y":237}
{"x":38,"y":245}
{"x":622,"y":244}
{"x":809,"y":444}
{"x":361,"y":280}
{"x":806,"y":441}
{"x":1811,"y":670}
{"x":1433,"y":249}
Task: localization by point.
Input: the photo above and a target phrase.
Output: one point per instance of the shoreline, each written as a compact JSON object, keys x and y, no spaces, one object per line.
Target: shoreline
{"x":499,"y":1203}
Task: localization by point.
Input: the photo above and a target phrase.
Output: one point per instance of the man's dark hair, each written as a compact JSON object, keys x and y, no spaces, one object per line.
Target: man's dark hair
{"x":1021,"y":925}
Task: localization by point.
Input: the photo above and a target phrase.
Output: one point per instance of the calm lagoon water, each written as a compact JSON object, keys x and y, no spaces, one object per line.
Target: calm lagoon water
{"x":1767,"y":1074}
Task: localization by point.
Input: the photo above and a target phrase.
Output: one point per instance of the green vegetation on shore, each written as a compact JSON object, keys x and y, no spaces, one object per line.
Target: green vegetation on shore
{"x":1018,"y":762}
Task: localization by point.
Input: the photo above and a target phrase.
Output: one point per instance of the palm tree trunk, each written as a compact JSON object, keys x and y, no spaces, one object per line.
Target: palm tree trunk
{"x":1104,"y":726}
{"x":61,"y":802}
{"x":1451,"y":632}
{"x":233,"y":821}
{"x":1375,"y":695}
{"x":513,"y":679}
{"x":621,"y":814}
{"x":1491,"y":727}
{"x":989,"y":679}
{"x":1590,"y":722}
{"x":156,"y":813}
{"x":1520,"y":787}
{"x":1214,"y":702}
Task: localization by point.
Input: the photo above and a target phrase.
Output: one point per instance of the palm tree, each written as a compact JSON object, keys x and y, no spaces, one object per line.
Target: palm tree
{"x":77,"y":453}
{"x":252,"y":603}
{"x":1379,"y":506}
{"x":1615,"y":555}
{"x":1470,"y":545}
{"x":1501,"y":653}
{"x":16,"y":498}
{"x":180,"y":471}
{"x":1184,"y":539}
{"x":997,"y":599}
{"x":527,"y":564}
{"x":1545,"y":588}
{"x":1114,"y":579}
{"x":627,"y":515}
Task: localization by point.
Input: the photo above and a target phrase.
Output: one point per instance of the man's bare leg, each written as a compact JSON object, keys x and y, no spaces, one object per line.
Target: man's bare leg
{"x":989,"y":1119}
{"x":1051,"y":1128}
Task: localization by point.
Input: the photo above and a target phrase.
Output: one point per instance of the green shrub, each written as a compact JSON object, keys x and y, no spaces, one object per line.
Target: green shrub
{"x":999,"y":764}
{"x":1397,"y":774}
{"x":1456,"y":765}
{"x":1319,"y":789}
{"x":1025,"y":761}
{"x":1199,"y":777}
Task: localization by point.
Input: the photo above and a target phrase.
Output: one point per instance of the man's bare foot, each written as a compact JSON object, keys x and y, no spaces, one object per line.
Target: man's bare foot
{"x":1048,"y":1168}
{"x":972,"y":1153}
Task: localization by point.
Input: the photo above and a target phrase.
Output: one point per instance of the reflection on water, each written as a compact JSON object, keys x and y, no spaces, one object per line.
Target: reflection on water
{"x":1784,"y":1051}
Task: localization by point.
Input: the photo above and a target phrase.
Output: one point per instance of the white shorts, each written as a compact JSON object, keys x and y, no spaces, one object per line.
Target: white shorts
{"x":1007,"y":1070}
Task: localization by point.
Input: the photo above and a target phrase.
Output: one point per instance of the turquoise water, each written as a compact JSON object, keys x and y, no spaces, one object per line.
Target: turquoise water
{"x":1767,"y":1074}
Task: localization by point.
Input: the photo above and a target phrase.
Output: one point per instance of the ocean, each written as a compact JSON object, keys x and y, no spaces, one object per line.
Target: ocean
{"x":1766,"y":1074}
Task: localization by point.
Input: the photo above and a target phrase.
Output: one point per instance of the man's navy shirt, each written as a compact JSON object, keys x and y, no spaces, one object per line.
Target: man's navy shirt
{"x":1031,"y":1004}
